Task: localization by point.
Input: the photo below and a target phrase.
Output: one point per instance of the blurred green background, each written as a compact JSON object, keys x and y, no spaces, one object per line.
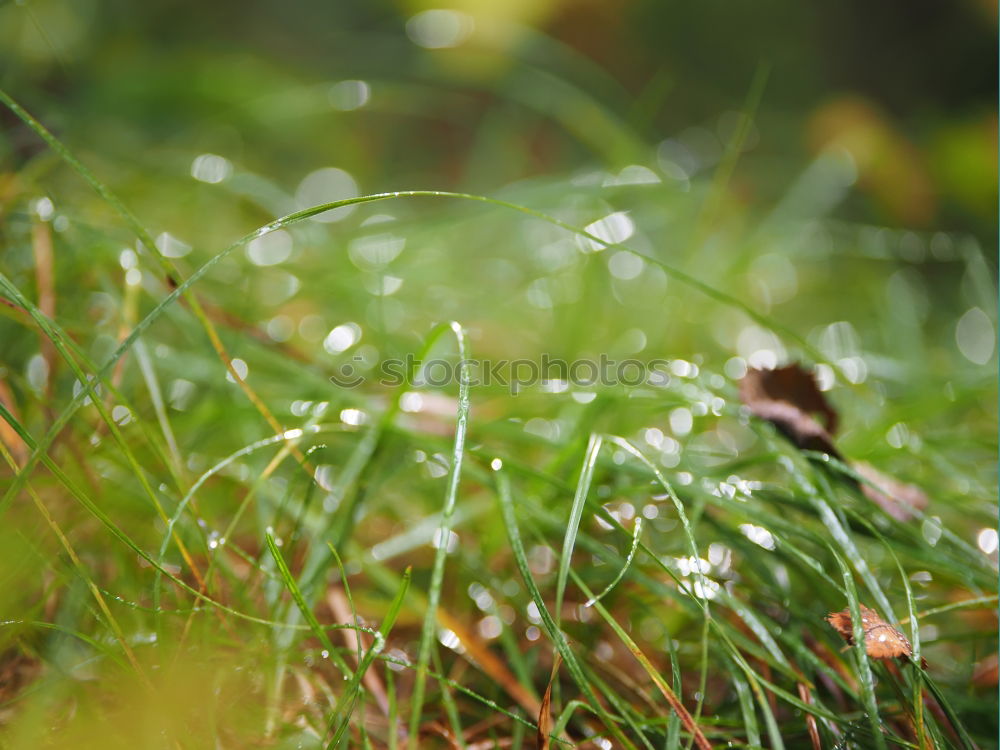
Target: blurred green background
{"x":506,"y":91}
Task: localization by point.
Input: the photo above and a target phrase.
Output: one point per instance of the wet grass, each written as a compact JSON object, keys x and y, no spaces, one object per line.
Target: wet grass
{"x":269,"y":558}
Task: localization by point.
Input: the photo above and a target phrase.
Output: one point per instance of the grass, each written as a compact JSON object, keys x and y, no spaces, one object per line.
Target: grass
{"x":270,"y":559}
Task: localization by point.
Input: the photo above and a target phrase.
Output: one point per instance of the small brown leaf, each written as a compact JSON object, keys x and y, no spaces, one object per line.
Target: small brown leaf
{"x":788,"y":397}
{"x":882,"y":640}
{"x":790,"y":383}
{"x":896,"y":498}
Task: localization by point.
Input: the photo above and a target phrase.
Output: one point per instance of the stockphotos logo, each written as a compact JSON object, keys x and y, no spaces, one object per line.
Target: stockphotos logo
{"x":516,"y":375}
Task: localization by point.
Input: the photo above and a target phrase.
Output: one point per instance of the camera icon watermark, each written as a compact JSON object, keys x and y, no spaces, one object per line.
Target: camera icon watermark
{"x":514,"y":375}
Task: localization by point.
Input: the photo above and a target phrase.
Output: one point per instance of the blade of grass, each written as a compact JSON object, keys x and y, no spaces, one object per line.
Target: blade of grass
{"x":481,"y":656}
{"x":167,"y":267}
{"x":915,"y":684}
{"x":674,"y":720}
{"x":492,"y":705}
{"x":721,"y":627}
{"x":678,"y":506}
{"x":443,"y":536}
{"x":573,"y":524}
{"x":727,"y":165}
{"x":347,"y":590}
{"x":448,"y":700}
{"x":556,"y":635}
{"x":293,"y":588}
{"x":543,"y":740}
{"x":747,"y":709}
{"x":949,"y":711}
{"x":345,"y":487}
{"x":200,"y":482}
{"x":159,"y":408}
{"x":393,"y":717}
{"x":628,"y":562}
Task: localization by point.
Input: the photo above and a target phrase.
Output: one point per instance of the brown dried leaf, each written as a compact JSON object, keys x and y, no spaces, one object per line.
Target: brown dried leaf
{"x":882,"y":640}
{"x":788,"y":397}
{"x":790,"y":383}
{"x":896,"y":498}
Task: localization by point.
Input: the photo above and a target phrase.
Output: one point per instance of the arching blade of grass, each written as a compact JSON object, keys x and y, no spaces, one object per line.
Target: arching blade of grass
{"x":555,"y":635}
{"x":200,"y":482}
{"x":573,"y":524}
{"x":624,"y":569}
{"x":443,"y":536}
{"x":678,"y":506}
{"x":342,"y":711}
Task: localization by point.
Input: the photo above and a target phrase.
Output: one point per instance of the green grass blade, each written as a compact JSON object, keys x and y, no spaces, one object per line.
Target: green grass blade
{"x":443,"y":536}
{"x":556,"y":635}
{"x":747,"y":709}
{"x":637,"y":534}
{"x":573,"y":524}
{"x":293,"y":588}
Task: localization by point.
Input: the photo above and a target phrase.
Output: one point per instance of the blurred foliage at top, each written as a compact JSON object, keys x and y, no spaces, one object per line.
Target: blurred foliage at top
{"x":499,"y":91}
